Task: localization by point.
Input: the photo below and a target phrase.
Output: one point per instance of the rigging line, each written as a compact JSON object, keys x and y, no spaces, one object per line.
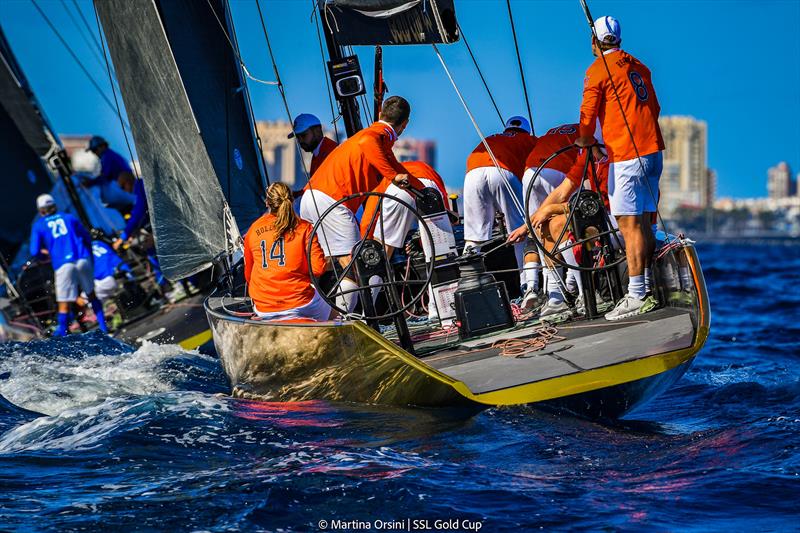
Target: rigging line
{"x":114,"y":92}
{"x":624,"y":117}
{"x":334,"y":119}
{"x":282,"y":92}
{"x":519,"y":62}
{"x":485,"y":84}
{"x":86,"y":25}
{"x":82,"y":32}
{"x":249,"y":105}
{"x":77,"y":60}
{"x":478,"y":129}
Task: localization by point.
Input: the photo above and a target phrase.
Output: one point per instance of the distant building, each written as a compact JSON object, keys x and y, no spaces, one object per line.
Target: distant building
{"x":285,"y":164}
{"x":686,"y":180}
{"x":74,"y":142}
{"x":409,"y":149}
{"x":780,"y":183}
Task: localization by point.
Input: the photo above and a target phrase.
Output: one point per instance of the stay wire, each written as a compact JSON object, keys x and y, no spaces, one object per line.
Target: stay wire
{"x":95,"y":40}
{"x":585,"y":6}
{"x":282,"y":92}
{"x":72,"y":53}
{"x":478,"y":129}
{"x":519,"y":62}
{"x":92,"y":46}
{"x":114,"y":93}
{"x":334,"y":118}
{"x":480,"y":73}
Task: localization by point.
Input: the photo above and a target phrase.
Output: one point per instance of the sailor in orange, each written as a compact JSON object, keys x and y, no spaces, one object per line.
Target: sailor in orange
{"x":551,"y":175}
{"x":550,"y":218}
{"x":488,"y":189}
{"x":358,"y":165}
{"x":619,"y":91}
{"x":276,"y":262}
{"x":308,"y":129}
{"x":393,"y":224}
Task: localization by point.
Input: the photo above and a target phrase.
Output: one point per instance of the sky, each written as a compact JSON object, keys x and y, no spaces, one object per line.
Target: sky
{"x":734,"y":64}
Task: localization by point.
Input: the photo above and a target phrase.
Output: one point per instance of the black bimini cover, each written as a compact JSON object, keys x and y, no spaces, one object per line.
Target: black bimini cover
{"x":24,"y":140}
{"x":389,"y":22}
{"x":189,"y":114}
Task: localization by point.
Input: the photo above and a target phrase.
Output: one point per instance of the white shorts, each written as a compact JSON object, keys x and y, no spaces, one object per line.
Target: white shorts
{"x":72,"y":278}
{"x":339,"y":231}
{"x":395,"y":220}
{"x":486,"y":191}
{"x":546,"y":182}
{"x":317,"y":309}
{"x":631,"y":191}
{"x":105,"y":288}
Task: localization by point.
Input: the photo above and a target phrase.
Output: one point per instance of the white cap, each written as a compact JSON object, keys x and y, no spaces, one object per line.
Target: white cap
{"x":44,"y":200}
{"x":302,"y":122}
{"x":608,"y":30}
{"x":518,"y":122}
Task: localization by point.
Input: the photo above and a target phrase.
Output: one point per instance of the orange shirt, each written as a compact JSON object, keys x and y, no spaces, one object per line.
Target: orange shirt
{"x":276,"y":270}
{"x":510,"y":148}
{"x":326,"y":146}
{"x":638,"y":97}
{"x":358,"y":165}
{"x":548,"y":144}
{"x":576,"y":173}
{"x":416,"y":169}
{"x":423,"y":170}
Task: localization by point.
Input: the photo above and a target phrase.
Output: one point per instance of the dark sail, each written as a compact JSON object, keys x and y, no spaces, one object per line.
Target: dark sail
{"x":203,"y":41}
{"x":388,"y":22}
{"x":25,"y":142}
{"x":187,"y":206}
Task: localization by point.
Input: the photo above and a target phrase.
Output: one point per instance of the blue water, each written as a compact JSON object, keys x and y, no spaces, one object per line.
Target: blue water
{"x":147,"y":440}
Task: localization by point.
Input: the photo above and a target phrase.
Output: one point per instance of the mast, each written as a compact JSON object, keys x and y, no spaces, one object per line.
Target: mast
{"x":348,"y":106}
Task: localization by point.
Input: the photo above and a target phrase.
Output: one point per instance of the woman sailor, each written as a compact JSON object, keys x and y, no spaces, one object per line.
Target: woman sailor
{"x":276,"y":262}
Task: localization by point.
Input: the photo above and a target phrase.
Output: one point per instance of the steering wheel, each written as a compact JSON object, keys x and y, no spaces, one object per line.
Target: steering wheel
{"x":370,"y":255}
{"x":582,"y":201}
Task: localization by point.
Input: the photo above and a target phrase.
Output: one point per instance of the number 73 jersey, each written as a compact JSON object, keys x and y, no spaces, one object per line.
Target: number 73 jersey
{"x":631,"y":81}
{"x":276,"y":268}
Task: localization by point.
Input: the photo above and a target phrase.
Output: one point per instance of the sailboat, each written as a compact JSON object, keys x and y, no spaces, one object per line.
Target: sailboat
{"x":489,"y":355}
{"x":35,"y":162}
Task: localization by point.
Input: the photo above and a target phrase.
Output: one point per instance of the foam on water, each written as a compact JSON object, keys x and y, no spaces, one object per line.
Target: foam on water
{"x":61,"y":376}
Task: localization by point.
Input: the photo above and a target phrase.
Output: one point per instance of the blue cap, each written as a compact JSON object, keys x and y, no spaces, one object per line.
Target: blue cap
{"x":96,"y":142}
{"x":302,"y":122}
{"x":518,"y":122}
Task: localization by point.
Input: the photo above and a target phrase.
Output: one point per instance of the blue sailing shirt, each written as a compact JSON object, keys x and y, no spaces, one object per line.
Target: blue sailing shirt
{"x":63,"y":236}
{"x":112,"y":165}
{"x":106,"y":260}
{"x":139,"y":210}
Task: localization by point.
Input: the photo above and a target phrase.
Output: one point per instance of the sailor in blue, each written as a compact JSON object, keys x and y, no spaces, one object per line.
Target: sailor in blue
{"x":106,"y":264}
{"x":66,"y":241}
{"x":114,"y":172}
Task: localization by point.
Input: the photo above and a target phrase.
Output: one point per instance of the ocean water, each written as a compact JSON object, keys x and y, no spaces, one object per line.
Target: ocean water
{"x":95,"y":435}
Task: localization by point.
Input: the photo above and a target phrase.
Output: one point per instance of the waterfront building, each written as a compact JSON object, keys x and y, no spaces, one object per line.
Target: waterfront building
{"x":780,"y":183}
{"x":686,"y":179}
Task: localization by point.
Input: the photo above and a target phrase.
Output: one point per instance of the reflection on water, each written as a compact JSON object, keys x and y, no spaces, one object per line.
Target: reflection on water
{"x":95,"y":435}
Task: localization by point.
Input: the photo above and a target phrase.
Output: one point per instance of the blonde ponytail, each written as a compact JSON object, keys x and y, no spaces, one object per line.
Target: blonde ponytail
{"x":279,"y":201}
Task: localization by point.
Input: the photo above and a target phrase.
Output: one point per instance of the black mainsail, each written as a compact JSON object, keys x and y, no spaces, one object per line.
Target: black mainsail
{"x":184,"y":91}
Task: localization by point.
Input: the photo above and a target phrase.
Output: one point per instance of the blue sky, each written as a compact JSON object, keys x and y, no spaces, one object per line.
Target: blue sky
{"x":734,"y":64}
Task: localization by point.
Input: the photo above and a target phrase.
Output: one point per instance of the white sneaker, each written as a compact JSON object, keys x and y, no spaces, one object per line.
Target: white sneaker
{"x":551,"y":309}
{"x":532,"y":300}
{"x":631,"y":306}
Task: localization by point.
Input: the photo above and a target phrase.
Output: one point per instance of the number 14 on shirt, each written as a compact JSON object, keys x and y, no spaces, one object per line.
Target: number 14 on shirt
{"x":280,"y":256}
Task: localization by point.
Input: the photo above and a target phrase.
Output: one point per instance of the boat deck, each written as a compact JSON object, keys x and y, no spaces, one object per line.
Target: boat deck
{"x":496,"y":361}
